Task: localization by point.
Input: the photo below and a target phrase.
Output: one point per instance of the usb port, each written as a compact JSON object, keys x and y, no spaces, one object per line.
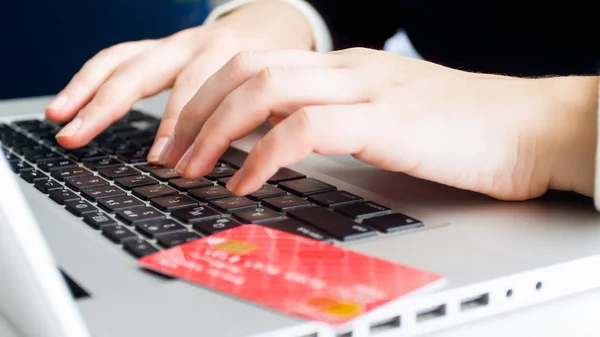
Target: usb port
{"x":432,"y":313}
{"x":388,"y":324}
{"x":475,"y":302}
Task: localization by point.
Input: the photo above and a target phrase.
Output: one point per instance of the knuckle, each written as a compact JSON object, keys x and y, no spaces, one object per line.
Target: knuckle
{"x":241,"y":62}
{"x":267,"y":77}
{"x":186,"y":113}
{"x":359,"y":50}
{"x":115,"y":49}
{"x":306,"y":119}
{"x":188,"y":79}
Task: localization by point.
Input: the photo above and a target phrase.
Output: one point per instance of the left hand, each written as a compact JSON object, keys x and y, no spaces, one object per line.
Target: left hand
{"x":472,"y":131}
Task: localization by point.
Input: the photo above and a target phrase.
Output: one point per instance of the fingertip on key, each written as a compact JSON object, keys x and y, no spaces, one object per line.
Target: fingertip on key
{"x":155,"y":153}
{"x":70,"y":129}
{"x":167,"y":150}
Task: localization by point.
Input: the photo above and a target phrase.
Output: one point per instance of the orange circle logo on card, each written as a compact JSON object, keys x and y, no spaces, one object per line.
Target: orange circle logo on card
{"x":335,"y":308}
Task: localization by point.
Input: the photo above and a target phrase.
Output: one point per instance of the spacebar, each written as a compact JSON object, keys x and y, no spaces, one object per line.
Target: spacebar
{"x":334,"y":224}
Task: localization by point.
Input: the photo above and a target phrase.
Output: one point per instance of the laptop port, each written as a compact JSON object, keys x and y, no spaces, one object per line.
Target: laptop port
{"x":432,"y":313}
{"x":475,"y":302}
{"x":385,"y":325}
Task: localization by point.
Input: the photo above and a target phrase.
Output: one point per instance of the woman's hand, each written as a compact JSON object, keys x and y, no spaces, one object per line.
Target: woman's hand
{"x":110,"y":83}
{"x":496,"y":135}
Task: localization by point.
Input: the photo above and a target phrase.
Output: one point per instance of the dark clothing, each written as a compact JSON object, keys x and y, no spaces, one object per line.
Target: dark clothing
{"x":505,"y":37}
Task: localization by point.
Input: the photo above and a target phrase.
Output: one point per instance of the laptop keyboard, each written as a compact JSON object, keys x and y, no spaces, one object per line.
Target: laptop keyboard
{"x":144,"y":208}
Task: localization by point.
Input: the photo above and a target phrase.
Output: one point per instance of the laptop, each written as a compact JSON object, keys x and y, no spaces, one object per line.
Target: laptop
{"x":69,"y":244}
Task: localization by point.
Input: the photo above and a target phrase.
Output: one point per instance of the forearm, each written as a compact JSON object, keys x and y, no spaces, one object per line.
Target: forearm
{"x":272,"y":22}
{"x":573,"y":135}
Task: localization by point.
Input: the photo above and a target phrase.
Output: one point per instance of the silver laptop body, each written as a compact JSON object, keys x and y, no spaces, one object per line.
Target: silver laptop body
{"x":496,"y":256}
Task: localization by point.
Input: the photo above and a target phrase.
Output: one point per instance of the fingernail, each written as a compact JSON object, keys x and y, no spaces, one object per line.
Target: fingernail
{"x":157,"y":149}
{"x":71,"y":128}
{"x":235,"y":180}
{"x":185,"y":160}
{"x":58,"y":102}
{"x":167,"y":150}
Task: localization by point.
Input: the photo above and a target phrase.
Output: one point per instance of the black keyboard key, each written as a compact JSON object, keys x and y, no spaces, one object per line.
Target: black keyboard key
{"x":53,"y":164}
{"x":266,"y":191}
{"x":139,"y":214}
{"x":153,"y":191}
{"x":33,"y":148}
{"x":31,"y":176}
{"x":257,"y":215}
{"x":9,"y":156}
{"x":234,"y":157}
{"x":187,"y":184}
{"x":232,"y":203}
{"x":286,"y":203}
{"x":297,"y":228}
{"x":119,"y":203}
{"x":19,"y":166}
{"x":334,"y":199}
{"x":45,"y":186}
{"x":209,"y":193}
{"x":76,"y":171}
{"x":139,"y":247}
{"x":172,"y":202}
{"x":363,"y":210}
{"x":118,"y":172}
{"x":195,"y":214}
{"x":159,"y":172}
{"x":284,"y":174}
{"x":148,"y":167}
{"x":392,"y":222}
{"x":132,"y":157}
{"x":77,"y":183}
{"x":98,"y":220}
{"x":305,"y":187}
{"x":221,"y":172}
{"x":334,"y":224}
{"x":135,"y":181}
{"x":98,"y":164}
{"x":61,"y":196}
{"x":176,"y":239}
{"x":215,"y":226}
{"x":80,"y":207}
{"x":118,"y":233}
{"x":154,"y":229}
{"x":100,"y":192}
{"x":36,"y":156}
{"x":223,"y":181}
{"x":87,"y":153}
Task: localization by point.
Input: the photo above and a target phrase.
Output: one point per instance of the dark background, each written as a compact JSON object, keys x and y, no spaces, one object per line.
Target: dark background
{"x":43,"y":43}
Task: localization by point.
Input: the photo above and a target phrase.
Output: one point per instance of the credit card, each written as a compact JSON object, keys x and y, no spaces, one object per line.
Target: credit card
{"x":289,"y":273}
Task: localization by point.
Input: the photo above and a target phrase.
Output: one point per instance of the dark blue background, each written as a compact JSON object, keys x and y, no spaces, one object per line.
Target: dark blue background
{"x":43,"y":43}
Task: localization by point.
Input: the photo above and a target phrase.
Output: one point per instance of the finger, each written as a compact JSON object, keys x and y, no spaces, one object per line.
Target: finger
{"x":274,"y":92}
{"x":186,"y":84}
{"x":90,"y":77}
{"x":234,"y":73}
{"x":142,"y":76}
{"x":326,"y":129}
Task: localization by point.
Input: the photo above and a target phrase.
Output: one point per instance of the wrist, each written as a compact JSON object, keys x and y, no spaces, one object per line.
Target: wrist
{"x":569,"y":133}
{"x":270,"y":24}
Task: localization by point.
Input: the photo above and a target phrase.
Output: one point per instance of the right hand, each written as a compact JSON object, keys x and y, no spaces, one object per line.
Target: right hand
{"x":110,"y":83}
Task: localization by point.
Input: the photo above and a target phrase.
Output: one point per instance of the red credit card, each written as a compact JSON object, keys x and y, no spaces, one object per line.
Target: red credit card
{"x":299,"y":276}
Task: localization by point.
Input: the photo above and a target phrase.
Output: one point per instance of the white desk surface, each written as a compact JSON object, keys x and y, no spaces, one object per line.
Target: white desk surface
{"x":576,"y":316}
